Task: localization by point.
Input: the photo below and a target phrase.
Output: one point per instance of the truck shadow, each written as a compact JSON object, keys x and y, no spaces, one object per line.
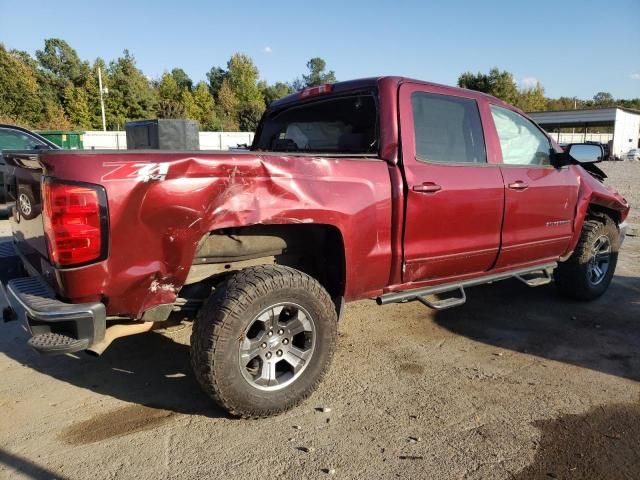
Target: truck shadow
{"x":602,"y":335}
{"x":601,"y":443}
{"x":27,"y":468}
{"x":150,"y":370}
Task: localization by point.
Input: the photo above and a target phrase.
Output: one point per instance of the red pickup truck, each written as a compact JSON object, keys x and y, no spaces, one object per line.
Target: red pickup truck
{"x":385,"y":188}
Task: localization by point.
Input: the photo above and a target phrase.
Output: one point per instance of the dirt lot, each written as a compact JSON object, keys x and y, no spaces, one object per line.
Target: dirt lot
{"x":519,"y":383}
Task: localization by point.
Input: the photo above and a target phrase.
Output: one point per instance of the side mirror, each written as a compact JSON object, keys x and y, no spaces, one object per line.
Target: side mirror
{"x":585,"y":152}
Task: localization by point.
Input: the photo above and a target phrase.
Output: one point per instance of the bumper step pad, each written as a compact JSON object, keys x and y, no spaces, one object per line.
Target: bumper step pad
{"x":53,"y":343}
{"x":56,"y":327}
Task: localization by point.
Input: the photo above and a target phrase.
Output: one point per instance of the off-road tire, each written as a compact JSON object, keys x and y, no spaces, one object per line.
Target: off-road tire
{"x":572,"y":276}
{"x":222,"y":323}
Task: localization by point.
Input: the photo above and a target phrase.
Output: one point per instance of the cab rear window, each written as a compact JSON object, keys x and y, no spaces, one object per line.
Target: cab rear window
{"x":345,"y":124}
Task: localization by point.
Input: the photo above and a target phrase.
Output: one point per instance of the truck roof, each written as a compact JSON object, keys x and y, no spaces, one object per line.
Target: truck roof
{"x":373,"y":82}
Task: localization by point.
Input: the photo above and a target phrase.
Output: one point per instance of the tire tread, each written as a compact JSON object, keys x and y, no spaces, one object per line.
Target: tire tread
{"x":570,"y":276}
{"x":213,"y":324}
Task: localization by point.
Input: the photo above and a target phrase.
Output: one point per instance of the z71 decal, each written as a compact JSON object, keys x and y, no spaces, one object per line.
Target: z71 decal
{"x":141,"y":172}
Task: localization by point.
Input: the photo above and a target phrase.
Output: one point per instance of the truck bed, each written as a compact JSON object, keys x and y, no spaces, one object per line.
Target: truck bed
{"x":160,"y":205}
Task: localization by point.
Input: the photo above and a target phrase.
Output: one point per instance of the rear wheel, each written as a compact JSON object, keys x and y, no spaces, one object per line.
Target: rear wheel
{"x":26,"y":203}
{"x":588,"y":272}
{"x":263,"y":341}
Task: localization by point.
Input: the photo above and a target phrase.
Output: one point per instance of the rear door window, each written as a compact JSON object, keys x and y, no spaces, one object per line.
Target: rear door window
{"x":447,"y":129}
{"x":346,"y":124}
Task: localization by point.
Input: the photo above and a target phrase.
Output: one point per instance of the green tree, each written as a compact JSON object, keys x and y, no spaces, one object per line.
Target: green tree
{"x":131,"y":96}
{"x":53,"y":118}
{"x":61,"y":60}
{"x":503,"y":85}
{"x":603,"y":99}
{"x":564,"y":103}
{"x":532,"y":99}
{"x":168,"y":88}
{"x":22,"y":99}
{"x":228,"y":107}
{"x":630,"y":103}
{"x":25,"y":58}
{"x":242,"y":79}
{"x":60,"y":66}
{"x":169,"y":98}
{"x":200,"y":106}
{"x":249,"y":116}
{"x":76,"y":106}
{"x":317,"y":73}
{"x":478,"y":82}
{"x":182,"y":79}
{"x":215,"y":76}
{"x":497,"y":83}
{"x":275,"y":91}
{"x":19,"y":96}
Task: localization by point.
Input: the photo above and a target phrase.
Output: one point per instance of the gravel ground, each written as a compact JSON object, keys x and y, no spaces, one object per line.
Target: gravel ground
{"x":625,"y":178}
{"x":518,"y":383}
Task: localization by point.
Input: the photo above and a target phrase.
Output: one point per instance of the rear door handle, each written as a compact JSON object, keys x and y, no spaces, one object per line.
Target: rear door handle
{"x":518,"y":185}
{"x":427,"y":187}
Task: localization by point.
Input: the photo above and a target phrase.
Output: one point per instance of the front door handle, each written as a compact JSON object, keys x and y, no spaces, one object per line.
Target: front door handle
{"x":427,"y":187}
{"x":518,"y":185}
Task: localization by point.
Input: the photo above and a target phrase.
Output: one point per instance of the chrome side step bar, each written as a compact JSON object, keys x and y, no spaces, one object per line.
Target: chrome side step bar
{"x":444,"y":303}
{"x":532,"y":276}
{"x":536,"y":279}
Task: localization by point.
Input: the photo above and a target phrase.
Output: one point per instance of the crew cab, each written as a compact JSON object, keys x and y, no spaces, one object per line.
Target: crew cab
{"x":385,"y":188}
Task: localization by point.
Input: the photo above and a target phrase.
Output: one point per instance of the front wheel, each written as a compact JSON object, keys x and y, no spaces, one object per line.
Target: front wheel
{"x":263,"y":341}
{"x":588,"y":272}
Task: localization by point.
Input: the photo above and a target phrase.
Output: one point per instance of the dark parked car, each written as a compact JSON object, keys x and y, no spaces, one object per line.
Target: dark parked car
{"x":18,"y":138}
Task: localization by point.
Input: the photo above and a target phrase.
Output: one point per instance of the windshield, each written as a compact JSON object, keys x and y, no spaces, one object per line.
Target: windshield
{"x":346,"y":124}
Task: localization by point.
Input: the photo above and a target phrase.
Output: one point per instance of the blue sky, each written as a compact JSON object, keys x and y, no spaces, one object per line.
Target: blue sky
{"x":573,"y":47}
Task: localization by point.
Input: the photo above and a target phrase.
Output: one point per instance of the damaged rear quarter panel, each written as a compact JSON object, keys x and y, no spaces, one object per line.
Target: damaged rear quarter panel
{"x":156,"y":225}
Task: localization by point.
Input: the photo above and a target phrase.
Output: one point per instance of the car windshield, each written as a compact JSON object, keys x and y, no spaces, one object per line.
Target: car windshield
{"x":345,"y":124}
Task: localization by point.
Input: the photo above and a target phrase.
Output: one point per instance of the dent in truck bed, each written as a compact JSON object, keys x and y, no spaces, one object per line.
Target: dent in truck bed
{"x":204,"y":192}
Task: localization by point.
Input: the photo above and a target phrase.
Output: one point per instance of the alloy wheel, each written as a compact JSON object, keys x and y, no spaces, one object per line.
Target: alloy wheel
{"x":598,"y":264}
{"x":277,"y":346}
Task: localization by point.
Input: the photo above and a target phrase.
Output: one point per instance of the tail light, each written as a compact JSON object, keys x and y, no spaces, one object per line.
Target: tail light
{"x":75,"y":222}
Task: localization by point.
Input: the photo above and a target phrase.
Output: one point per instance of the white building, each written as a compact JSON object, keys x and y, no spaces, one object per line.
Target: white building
{"x":625,"y":123}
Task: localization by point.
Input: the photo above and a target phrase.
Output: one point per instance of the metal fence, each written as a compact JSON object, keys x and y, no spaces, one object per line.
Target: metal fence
{"x":581,"y":137}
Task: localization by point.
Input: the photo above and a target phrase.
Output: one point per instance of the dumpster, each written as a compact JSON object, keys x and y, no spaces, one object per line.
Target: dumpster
{"x":64,"y":139}
{"x":163,"y":134}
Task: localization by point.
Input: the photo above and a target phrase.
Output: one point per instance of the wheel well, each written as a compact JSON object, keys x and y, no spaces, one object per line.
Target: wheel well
{"x":598,"y":212}
{"x":317,"y":250}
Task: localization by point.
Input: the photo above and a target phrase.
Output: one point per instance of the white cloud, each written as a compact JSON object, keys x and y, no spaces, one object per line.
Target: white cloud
{"x":529,"y":82}
{"x":267,"y":49}
{"x":635,"y":76}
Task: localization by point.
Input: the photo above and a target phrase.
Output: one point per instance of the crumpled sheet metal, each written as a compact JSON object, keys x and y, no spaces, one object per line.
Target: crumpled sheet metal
{"x":155,"y":225}
{"x":592,"y":192}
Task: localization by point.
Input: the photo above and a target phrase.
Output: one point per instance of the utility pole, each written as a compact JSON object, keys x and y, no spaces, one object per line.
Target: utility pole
{"x":575,"y":107}
{"x":104,"y":121}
